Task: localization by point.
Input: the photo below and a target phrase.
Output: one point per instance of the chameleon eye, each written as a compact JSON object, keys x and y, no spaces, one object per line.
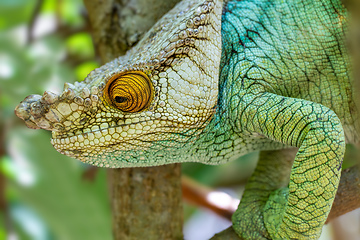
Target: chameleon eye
{"x":129,"y":92}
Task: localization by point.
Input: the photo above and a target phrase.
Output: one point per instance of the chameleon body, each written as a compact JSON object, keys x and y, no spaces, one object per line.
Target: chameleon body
{"x":214,"y":80}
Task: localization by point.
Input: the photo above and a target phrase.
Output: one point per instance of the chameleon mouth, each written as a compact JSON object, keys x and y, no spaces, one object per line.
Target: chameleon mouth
{"x":93,"y":143}
{"x":95,"y":138}
{"x":104,"y":137}
{"x":121,"y":138}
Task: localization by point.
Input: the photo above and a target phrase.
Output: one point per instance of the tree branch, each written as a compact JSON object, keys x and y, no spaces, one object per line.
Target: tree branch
{"x":146,"y":202}
{"x":346,"y":200}
{"x":348,"y":194}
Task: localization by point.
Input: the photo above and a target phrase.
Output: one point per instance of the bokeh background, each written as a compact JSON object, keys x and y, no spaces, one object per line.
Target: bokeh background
{"x":45,"y":195}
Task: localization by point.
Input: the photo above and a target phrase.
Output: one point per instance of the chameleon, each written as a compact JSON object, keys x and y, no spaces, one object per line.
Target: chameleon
{"x":214,"y":80}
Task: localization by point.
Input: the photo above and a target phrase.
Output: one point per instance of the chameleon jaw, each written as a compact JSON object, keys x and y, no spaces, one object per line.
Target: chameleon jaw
{"x":124,"y":149}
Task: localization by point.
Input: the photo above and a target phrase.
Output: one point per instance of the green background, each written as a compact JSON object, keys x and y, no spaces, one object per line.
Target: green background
{"x":48,"y":195}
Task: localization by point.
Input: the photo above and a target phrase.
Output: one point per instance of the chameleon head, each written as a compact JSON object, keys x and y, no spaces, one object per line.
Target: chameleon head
{"x":143,"y":108}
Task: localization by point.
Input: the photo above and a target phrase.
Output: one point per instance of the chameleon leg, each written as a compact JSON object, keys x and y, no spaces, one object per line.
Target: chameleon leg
{"x":272,"y":172}
{"x":299,"y":211}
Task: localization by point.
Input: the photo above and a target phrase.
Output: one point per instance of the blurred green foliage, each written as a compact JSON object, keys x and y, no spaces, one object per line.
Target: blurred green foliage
{"x":14,"y":12}
{"x":47,"y":196}
{"x":46,"y":192}
{"x":52,"y":184}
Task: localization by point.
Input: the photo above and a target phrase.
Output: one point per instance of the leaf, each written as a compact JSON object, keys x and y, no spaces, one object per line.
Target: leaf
{"x":14,"y":12}
{"x":72,"y":207}
{"x":83,"y":69}
{"x":81,"y":45}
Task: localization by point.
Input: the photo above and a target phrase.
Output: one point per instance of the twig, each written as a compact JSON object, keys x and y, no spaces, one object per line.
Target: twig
{"x":348,"y":195}
{"x":200,"y":195}
{"x":34,"y":16}
{"x":346,"y":200}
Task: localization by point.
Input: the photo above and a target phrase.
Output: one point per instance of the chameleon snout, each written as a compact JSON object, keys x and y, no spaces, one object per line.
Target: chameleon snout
{"x":56,"y":112}
{"x":32,"y":110}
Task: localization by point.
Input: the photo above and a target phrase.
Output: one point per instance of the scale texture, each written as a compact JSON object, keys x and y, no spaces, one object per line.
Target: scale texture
{"x":212,"y":81}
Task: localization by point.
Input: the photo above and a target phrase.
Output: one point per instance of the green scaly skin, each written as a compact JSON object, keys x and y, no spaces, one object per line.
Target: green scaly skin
{"x":226,"y":79}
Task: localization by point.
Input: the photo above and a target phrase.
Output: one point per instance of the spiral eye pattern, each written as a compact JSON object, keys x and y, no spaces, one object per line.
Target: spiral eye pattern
{"x":130,"y":92}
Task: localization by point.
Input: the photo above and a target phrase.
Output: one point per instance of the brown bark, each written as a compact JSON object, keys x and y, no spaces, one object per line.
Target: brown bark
{"x":146,"y":202}
{"x":348,"y":195}
{"x":227,"y":234}
{"x":119,"y":24}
